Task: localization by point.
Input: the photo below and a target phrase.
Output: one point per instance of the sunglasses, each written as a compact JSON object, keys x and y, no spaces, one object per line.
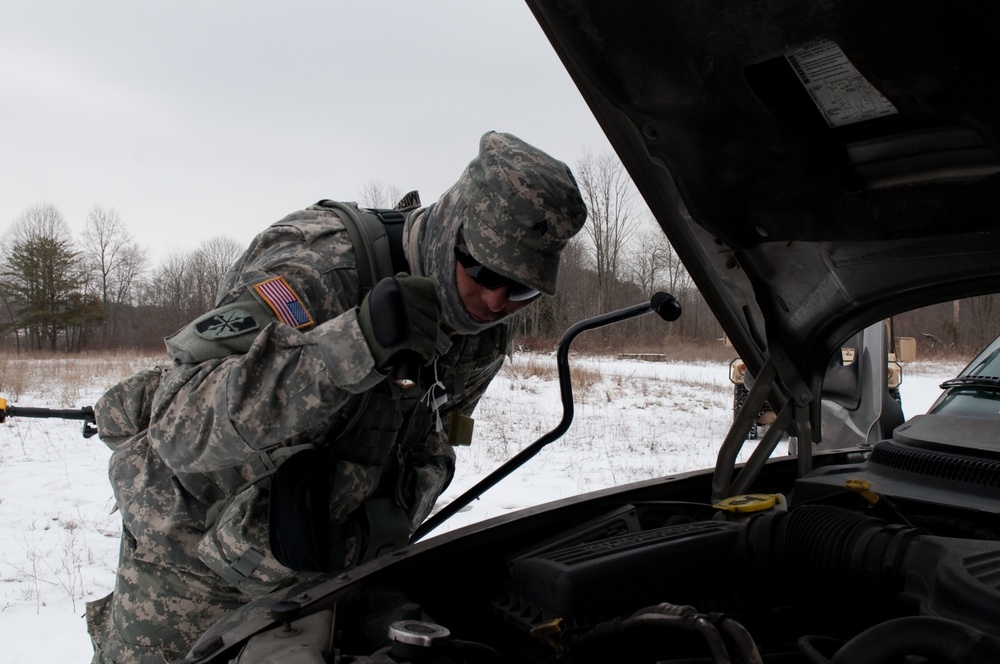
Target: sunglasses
{"x":487,"y":278}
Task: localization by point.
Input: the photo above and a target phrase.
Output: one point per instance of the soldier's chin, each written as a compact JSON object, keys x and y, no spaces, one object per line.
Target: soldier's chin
{"x":485,"y":321}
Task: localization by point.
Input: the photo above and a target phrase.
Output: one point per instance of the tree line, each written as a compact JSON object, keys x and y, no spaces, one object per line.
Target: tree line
{"x":101,"y":290}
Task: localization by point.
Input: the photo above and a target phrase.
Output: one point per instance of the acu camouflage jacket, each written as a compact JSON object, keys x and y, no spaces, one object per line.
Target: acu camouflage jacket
{"x":253,"y":384}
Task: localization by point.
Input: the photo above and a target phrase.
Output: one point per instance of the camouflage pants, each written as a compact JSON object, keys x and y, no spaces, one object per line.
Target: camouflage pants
{"x":156,"y":613}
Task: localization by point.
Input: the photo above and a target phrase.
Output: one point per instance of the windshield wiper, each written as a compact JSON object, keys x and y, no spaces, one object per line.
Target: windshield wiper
{"x":987,"y":382}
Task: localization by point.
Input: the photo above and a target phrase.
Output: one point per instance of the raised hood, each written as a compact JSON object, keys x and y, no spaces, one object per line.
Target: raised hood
{"x":818,"y":166}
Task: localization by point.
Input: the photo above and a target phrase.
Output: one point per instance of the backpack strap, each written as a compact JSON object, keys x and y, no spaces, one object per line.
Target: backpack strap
{"x":377,"y":236}
{"x":392,"y":221}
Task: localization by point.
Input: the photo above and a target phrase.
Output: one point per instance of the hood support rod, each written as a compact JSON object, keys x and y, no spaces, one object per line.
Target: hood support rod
{"x":664,"y":304}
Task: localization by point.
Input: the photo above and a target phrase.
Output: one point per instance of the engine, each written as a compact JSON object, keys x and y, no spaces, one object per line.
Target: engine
{"x":818,"y":583}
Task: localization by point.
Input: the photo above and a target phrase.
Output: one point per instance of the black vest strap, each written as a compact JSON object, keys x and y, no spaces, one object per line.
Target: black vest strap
{"x":377,"y":236}
{"x":393,"y":221}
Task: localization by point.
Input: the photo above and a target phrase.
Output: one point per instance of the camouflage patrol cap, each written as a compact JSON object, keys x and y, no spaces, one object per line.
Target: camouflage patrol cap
{"x":521,"y":208}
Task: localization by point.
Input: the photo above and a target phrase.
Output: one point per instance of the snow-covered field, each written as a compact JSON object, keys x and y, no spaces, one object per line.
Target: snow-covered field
{"x":633,"y":421}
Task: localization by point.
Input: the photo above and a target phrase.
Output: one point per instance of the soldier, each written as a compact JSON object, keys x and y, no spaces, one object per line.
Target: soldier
{"x":277,"y":448}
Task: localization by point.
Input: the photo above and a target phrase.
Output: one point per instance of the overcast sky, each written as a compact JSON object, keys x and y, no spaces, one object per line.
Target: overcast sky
{"x":218,"y":117}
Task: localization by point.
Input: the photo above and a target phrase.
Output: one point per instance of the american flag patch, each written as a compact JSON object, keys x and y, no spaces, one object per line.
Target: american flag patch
{"x":284,"y":302}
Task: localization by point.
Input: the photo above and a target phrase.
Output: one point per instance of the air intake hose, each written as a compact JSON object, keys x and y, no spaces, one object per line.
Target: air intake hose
{"x":950,"y":578}
{"x":838,"y":544}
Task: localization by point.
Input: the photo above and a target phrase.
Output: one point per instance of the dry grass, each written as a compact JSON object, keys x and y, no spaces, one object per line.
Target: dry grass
{"x":63,"y":378}
{"x":531,"y":366}
{"x":673,"y":347}
{"x":584,"y":378}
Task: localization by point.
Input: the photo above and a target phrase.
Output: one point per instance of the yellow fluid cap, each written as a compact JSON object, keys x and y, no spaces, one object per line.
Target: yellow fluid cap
{"x":748,"y":502}
{"x":863,"y":488}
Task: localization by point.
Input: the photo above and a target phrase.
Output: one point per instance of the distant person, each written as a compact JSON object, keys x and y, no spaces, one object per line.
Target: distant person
{"x":283,"y":441}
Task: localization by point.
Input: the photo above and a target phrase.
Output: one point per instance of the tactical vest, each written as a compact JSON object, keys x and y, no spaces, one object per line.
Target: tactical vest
{"x":389,"y":426}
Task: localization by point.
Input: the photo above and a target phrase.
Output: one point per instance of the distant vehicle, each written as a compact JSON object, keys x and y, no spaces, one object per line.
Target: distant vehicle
{"x":975,"y":392}
{"x":879,"y":362}
{"x":742,"y":381}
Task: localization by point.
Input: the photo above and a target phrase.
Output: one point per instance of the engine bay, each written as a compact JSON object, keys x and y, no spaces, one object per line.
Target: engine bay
{"x":831,"y":572}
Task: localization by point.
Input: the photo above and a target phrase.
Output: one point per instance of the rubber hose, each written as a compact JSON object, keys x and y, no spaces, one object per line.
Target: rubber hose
{"x":936,"y":639}
{"x":830,"y":541}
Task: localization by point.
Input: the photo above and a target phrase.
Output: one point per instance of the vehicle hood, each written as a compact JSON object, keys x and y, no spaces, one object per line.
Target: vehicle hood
{"x":817,"y":166}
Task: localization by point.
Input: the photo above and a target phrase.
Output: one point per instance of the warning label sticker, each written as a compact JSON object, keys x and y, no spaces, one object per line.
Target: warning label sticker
{"x":837,"y":88}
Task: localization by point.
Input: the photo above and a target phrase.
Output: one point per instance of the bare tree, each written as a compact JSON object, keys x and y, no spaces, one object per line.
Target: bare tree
{"x":609,"y":195}
{"x":577,"y":285}
{"x":172,"y":291}
{"x":114,"y":262}
{"x":43,"y":220}
{"x":646,"y":260}
{"x":655,"y":265}
{"x":375,"y":194}
{"x":982,"y":320}
{"x":210,"y":261}
{"x":185,"y":284}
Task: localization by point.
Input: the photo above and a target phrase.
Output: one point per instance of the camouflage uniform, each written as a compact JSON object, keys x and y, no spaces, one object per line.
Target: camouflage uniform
{"x":257,"y":393}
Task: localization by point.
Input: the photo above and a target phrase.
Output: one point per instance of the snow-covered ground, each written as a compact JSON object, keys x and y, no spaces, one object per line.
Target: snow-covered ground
{"x":633,"y":421}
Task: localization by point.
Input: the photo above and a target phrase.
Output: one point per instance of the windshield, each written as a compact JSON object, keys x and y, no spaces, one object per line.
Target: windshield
{"x":987,"y":363}
{"x":971,"y":397}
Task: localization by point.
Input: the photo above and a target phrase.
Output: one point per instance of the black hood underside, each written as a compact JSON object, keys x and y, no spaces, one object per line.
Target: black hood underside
{"x":817,"y":165}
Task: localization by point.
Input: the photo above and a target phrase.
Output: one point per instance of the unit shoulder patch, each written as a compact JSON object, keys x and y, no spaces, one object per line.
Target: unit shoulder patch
{"x":225,"y":324}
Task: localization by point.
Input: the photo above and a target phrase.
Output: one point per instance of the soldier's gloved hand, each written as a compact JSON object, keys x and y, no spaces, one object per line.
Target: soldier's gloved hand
{"x":400,"y":317}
